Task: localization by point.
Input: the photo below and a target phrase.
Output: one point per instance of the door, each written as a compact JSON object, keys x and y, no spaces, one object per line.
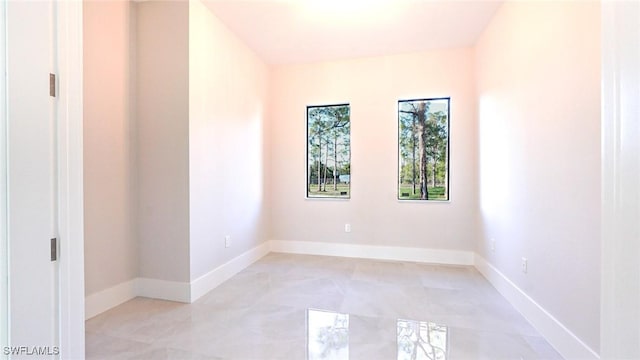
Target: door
{"x":31,"y":178}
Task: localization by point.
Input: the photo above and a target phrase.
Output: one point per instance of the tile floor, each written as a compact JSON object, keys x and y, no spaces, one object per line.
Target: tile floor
{"x":314,"y":307}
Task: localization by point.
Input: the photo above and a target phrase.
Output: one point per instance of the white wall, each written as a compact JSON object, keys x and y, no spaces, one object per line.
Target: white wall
{"x":109,"y":202}
{"x":373,"y":86}
{"x":227,"y":102}
{"x":162,"y":76}
{"x":538,"y":76}
{"x":621,"y":180}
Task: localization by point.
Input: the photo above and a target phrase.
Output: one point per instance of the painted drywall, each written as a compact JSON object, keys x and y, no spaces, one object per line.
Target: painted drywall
{"x":162,"y":139}
{"x":621,"y":180}
{"x":227,"y":102}
{"x":110,"y":242}
{"x":538,"y":78}
{"x":373,"y":87}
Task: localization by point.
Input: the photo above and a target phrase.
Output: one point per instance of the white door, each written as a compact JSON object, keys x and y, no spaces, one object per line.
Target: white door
{"x":32,"y":184}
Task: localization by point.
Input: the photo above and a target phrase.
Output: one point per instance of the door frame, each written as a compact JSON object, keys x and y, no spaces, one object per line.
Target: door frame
{"x":70,"y":179}
{"x":4,"y":256}
{"x":620,"y":281}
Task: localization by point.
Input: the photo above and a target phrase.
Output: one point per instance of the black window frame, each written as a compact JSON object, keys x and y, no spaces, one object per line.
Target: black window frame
{"x":448,"y":152}
{"x":307,"y":168}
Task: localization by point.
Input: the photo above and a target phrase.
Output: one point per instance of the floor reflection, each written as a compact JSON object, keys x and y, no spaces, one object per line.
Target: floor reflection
{"x":328,"y":337}
{"x":421,"y":340}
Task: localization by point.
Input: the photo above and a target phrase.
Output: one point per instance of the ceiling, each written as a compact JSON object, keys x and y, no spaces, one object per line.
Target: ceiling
{"x":299,"y":31}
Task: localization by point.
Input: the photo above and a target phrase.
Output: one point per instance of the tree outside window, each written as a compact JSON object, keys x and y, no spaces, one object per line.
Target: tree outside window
{"x":329,"y":151}
{"x":423,"y":149}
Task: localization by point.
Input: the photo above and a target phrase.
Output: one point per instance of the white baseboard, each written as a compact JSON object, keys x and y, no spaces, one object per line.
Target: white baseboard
{"x":222,"y":273}
{"x":163,"y":289}
{"x":561,"y":338}
{"x":436,"y":256}
{"x":104,"y":300}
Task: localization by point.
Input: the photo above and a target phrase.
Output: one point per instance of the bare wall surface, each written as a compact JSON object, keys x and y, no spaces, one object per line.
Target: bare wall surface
{"x":162,"y":72}
{"x":110,"y":242}
{"x":373,"y":87}
{"x":538,"y":76}
{"x":227,"y":103}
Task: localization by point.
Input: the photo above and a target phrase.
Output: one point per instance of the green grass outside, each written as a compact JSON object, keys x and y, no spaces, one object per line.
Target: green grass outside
{"x":435,"y":193}
{"x":342,"y":188}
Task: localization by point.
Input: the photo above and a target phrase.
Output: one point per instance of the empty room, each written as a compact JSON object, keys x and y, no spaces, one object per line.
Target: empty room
{"x":309,"y":179}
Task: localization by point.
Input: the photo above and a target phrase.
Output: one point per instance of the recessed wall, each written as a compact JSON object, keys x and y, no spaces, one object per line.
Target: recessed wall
{"x":111,"y":255}
{"x":162,"y":139}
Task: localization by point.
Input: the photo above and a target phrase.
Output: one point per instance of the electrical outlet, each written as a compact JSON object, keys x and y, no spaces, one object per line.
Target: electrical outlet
{"x":493,"y":245}
{"x":227,"y":241}
{"x":524,"y":265}
{"x":347,"y":228}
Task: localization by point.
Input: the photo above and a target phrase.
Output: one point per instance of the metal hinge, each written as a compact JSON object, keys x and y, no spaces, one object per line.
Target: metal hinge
{"x":54,"y":249}
{"x":52,"y":85}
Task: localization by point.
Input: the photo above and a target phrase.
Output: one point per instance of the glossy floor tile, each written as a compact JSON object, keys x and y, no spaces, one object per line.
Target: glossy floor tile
{"x":316,"y":307}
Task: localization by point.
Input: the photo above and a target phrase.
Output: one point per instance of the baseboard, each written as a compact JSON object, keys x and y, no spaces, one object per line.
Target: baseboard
{"x":189,"y":292}
{"x":163,"y":289}
{"x":106,"y":299}
{"x":561,"y":338}
{"x":222,"y":273}
{"x":436,"y":256}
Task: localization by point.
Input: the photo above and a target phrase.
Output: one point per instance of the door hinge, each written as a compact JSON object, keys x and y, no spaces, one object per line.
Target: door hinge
{"x":52,"y":85}
{"x":54,"y":249}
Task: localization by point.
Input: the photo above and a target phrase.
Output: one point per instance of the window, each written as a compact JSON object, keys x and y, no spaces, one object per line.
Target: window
{"x":328,"y":151}
{"x":423,"y":149}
